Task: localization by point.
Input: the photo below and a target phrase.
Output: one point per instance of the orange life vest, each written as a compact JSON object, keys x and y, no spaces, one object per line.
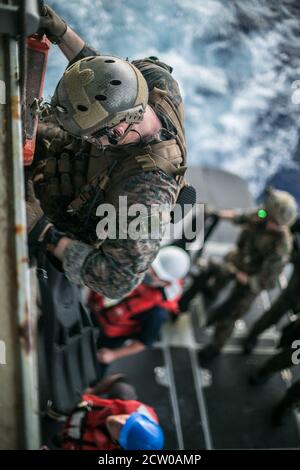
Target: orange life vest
{"x":120,"y":319}
{"x":86,"y":429}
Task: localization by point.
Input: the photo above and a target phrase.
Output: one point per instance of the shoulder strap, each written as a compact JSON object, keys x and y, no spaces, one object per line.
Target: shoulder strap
{"x":160,"y":100}
{"x":165,"y":156}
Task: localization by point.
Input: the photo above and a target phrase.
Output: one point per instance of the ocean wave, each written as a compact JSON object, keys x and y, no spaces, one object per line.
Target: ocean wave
{"x":235,"y":62}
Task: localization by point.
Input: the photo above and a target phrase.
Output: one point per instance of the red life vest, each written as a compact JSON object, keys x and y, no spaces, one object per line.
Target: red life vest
{"x":119,"y":320}
{"x":86,"y":429}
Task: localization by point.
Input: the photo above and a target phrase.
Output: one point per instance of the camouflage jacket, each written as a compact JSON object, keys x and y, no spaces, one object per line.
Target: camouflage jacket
{"x":117,"y":266}
{"x":259,"y":252}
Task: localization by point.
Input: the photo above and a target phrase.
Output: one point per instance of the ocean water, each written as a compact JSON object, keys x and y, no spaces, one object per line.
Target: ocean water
{"x":237,"y":63}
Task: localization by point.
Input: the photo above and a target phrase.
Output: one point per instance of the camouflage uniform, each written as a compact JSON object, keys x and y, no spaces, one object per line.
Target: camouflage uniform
{"x":261,"y":254}
{"x":289,"y":299}
{"x":117,"y":266}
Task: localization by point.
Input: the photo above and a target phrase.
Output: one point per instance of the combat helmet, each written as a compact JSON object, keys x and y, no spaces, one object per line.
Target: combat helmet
{"x":281,"y":206}
{"x":97,"y":93}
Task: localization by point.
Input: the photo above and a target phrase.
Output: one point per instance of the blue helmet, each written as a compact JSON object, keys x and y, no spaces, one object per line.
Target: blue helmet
{"x":141,"y":433}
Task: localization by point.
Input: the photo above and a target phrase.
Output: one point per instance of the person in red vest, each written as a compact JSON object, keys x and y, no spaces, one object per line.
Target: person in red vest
{"x":116,"y":421}
{"x":139,"y":316}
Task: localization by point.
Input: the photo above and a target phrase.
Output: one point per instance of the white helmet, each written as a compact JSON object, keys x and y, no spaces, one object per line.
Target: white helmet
{"x":172,"y":263}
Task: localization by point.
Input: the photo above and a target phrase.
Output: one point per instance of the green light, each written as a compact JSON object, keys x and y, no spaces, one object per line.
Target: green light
{"x":262,"y":214}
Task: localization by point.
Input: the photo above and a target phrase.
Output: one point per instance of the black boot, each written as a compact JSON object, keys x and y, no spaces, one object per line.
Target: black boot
{"x":208,"y":353}
{"x":258,"y":378}
{"x":278,"y":415}
{"x":249,"y":344}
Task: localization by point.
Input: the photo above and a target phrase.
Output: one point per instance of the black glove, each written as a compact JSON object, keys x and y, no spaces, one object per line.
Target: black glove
{"x":36,"y":220}
{"x":52,"y":25}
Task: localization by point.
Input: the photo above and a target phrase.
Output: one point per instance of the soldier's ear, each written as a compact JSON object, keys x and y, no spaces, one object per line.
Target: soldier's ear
{"x":269,"y":189}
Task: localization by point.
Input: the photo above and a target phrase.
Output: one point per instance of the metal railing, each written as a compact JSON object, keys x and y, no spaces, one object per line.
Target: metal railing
{"x":19,"y":422}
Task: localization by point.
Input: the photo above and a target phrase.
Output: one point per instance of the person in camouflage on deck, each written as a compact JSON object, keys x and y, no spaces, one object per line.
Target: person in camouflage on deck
{"x":287,"y":301}
{"x":116,"y":130}
{"x":262,"y":250}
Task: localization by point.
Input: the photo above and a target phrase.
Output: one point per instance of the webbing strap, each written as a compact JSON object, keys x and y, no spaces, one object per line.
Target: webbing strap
{"x":161,"y":101}
{"x":101,"y":180}
{"x":165,"y":156}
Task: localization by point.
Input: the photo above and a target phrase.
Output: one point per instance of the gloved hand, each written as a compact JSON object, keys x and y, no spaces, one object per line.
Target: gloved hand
{"x":36,"y":220}
{"x":34,"y":211}
{"x":52,"y":25}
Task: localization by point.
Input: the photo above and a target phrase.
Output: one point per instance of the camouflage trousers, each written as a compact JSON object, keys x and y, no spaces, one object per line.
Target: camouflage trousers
{"x":289,"y":299}
{"x":237,"y":304}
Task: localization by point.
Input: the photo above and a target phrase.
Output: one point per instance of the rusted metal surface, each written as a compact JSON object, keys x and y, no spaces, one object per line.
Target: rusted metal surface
{"x":20,"y":229}
{"x":24,"y":304}
{"x":25,"y":333}
{"x":19,"y":423}
{"x":10,"y":378}
{"x":15,"y":107}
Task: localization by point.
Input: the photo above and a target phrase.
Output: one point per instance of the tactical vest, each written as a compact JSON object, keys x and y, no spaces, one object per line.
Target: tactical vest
{"x":91,"y":175}
{"x":254,"y":246}
{"x":120,"y":320}
{"x":86,"y":429}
